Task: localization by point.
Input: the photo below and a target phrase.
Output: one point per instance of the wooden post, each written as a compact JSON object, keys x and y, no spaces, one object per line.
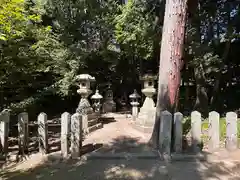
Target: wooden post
{"x":23,"y":132}
{"x":65,"y":133}
{"x":213,"y":131}
{"x":231,"y":131}
{"x":4,"y":132}
{"x":178,"y":117}
{"x":165,"y":133}
{"x":43,"y":133}
{"x":196,"y":131}
{"x":76,"y":135}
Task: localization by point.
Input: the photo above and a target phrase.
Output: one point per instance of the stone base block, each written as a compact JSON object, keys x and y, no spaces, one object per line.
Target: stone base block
{"x":146,"y":118}
{"x":143,"y":129}
{"x":109,"y":106}
{"x":145,"y":121}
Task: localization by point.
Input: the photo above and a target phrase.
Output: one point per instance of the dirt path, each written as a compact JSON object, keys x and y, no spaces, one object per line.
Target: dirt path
{"x":117,"y":137}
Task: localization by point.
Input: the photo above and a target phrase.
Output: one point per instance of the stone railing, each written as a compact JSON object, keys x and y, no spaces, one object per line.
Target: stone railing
{"x":230,"y":126}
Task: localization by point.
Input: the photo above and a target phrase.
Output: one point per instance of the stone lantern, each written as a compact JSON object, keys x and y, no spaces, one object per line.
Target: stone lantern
{"x":146,"y":117}
{"x":109,"y":105}
{"x":97,"y":101}
{"x":84,"y":90}
{"x":134,"y":102}
{"x":149,"y":91}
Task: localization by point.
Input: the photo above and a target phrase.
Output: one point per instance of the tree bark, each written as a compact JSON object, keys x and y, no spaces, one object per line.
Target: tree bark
{"x":170,"y":60}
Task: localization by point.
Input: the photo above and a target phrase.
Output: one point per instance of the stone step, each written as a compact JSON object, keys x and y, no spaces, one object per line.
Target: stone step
{"x":95,"y":127}
{"x":92,"y":122}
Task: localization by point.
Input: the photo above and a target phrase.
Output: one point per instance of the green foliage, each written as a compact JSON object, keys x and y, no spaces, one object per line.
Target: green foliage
{"x":26,"y":54}
{"x":44,"y":44}
{"x":222,"y":127}
{"x":14,"y":18}
{"x":134,"y":29}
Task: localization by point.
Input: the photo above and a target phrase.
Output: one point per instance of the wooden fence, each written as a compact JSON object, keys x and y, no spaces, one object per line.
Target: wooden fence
{"x":71,"y":133}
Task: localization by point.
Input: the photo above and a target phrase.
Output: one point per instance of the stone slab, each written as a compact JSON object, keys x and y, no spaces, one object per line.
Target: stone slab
{"x":143,"y":129}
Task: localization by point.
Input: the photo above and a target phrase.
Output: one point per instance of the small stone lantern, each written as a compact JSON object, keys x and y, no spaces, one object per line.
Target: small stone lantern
{"x":84,"y":90}
{"x":134,"y":102}
{"x":109,"y":105}
{"x":97,"y":101}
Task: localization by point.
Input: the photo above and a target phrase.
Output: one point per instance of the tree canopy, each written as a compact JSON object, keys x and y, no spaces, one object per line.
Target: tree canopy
{"x":44,"y":44}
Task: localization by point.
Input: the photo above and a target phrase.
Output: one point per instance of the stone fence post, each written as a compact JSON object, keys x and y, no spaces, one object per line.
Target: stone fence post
{"x":43,"y":133}
{"x":4,"y":132}
{"x":196,"y":131}
{"x":231,"y":131}
{"x":213,"y":131}
{"x":165,"y":133}
{"x":23,"y":132}
{"x":76,"y":135}
{"x":178,"y":118}
{"x":65,"y":133}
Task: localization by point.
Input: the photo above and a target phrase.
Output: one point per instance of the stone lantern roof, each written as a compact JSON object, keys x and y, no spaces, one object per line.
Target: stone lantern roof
{"x":134,"y":95}
{"x":85,"y":77}
{"x":97,"y":95}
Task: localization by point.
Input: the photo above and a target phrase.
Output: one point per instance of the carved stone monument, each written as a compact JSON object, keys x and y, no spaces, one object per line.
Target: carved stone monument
{"x":109,"y":105}
{"x":146,"y":117}
{"x":89,"y":117}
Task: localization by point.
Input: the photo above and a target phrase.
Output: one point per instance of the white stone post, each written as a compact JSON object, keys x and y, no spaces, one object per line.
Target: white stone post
{"x":196,"y":131}
{"x":65,"y":133}
{"x":231,"y":131}
{"x":4,"y":131}
{"x":213,"y":131}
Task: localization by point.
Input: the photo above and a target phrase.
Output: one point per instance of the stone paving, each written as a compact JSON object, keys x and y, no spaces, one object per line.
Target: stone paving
{"x":117,"y":137}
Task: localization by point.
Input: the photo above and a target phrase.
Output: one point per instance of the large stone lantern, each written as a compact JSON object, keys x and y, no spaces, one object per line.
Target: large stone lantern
{"x":146,"y":117}
{"x":149,"y":91}
{"x":134,"y":102}
{"x":84,"y":90}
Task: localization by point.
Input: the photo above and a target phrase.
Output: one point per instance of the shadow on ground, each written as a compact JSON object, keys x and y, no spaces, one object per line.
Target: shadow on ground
{"x":54,"y":167}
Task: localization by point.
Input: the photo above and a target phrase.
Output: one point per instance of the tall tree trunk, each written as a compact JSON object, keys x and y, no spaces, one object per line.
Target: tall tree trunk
{"x":170,"y":60}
